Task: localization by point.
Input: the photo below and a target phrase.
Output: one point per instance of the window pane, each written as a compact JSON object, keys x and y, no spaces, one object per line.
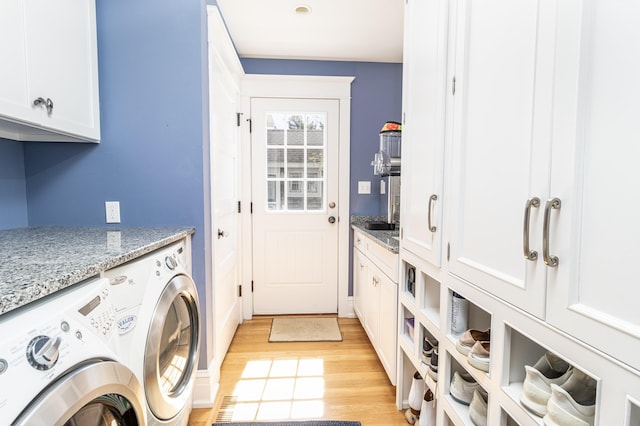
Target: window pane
{"x":315,"y":196}
{"x":275,"y":195}
{"x":295,"y":163}
{"x":315,"y":129}
{"x":315,"y":163}
{"x":275,"y":163}
{"x":295,"y":198}
{"x":295,"y":134}
{"x":275,"y":129}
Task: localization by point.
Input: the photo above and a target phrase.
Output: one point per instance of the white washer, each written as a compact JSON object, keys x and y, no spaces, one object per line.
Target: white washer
{"x":158,"y":319}
{"x":56,"y":365}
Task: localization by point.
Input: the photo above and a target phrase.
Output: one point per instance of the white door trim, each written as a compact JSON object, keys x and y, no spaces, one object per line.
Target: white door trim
{"x":288,"y":86}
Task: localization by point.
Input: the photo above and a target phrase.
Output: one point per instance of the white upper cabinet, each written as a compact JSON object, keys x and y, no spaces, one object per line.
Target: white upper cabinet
{"x":593,"y":292}
{"x":501,"y":146}
{"x":423,"y":130}
{"x":49,"y":76}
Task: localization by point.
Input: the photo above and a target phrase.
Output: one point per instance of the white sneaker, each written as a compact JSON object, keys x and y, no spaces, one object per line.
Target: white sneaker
{"x":479,"y":356}
{"x":549,"y":369}
{"x":573,"y":403}
{"x":478,"y":408}
{"x":462,"y":389}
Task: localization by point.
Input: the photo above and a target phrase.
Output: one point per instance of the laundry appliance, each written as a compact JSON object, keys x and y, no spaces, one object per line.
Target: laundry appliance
{"x":58,"y":366}
{"x":158,"y":321}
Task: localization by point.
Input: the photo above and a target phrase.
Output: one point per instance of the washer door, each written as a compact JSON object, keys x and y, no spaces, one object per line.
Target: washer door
{"x":171,"y":352}
{"x":98,"y":393}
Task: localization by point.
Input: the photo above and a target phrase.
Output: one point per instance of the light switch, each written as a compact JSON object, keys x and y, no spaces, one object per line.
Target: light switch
{"x":364,"y":187}
{"x":383,"y":187}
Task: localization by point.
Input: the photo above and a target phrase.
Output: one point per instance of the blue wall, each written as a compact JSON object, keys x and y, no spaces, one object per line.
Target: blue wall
{"x":153,"y":93}
{"x":13,"y":188}
{"x":376,"y":97}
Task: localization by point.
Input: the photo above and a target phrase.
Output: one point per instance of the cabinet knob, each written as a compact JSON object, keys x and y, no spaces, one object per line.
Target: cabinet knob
{"x":48,"y":103}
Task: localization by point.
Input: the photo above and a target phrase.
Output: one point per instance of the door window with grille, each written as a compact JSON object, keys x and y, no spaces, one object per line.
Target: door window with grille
{"x":296,"y":161}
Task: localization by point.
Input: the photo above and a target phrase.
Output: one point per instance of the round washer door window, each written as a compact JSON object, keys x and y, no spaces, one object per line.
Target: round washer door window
{"x":172,"y":348}
{"x":106,"y":410}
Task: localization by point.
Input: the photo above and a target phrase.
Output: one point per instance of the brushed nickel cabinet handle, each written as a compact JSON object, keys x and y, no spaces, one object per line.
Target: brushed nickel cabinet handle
{"x":531,"y":255}
{"x":549,"y":259}
{"x":433,"y":198}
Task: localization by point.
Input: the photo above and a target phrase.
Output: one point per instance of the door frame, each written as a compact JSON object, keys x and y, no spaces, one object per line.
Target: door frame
{"x":296,"y":86}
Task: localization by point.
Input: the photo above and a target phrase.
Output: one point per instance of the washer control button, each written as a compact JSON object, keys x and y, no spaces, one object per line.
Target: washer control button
{"x":4,"y":365}
{"x":64,"y":326}
{"x":171,"y":262}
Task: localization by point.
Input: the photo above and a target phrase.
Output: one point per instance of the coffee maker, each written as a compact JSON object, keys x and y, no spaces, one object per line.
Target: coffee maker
{"x":386,"y":164}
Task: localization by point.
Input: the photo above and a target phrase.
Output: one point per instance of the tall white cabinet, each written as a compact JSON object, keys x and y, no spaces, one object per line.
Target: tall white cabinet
{"x":49,"y":72}
{"x":527,"y":110}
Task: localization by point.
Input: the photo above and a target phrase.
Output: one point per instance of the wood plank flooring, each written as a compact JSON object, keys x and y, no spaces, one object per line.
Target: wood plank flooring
{"x":351,"y":385}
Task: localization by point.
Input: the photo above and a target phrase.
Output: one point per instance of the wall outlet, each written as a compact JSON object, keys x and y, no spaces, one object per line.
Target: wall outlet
{"x":112,"y":209}
{"x":364,"y":187}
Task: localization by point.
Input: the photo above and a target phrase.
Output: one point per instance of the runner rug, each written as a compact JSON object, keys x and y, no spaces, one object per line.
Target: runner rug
{"x":305,"y":330}
{"x":291,"y":423}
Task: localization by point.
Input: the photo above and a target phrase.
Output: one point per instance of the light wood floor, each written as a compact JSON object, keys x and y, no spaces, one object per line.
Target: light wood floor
{"x":355,"y":384}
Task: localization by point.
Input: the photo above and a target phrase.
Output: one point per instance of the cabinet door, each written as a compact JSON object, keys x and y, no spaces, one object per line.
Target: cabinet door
{"x":387,"y":336}
{"x":500,"y":152}
{"x":425,"y":57}
{"x":372,"y":301}
{"x":360,"y":276}
{"x":593,"y":292}
{"x":14,"y":88}
{"x":62,"y":62}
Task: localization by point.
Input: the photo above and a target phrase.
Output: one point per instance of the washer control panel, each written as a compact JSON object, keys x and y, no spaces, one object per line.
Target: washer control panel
{"x":44,"y":339}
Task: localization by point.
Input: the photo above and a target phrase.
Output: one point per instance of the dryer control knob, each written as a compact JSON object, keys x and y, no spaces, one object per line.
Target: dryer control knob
{"x":43,"y":352}
{"x":171,"y":262}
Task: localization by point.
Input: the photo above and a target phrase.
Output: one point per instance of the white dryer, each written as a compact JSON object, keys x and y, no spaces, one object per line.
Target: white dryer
{"x":158,"y":319}
{"x":56,"y":365}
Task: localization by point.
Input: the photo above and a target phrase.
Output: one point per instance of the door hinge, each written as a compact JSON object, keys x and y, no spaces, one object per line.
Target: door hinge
{"x":448,"y":251}
{"x":239,"y":291}
{"x":239,"y":207}
{"x":251,"y":286}
{"x":238,"y":114}
{"x":250,"y":125}
{"x":453,"y":86}
{"x":251,"y":207}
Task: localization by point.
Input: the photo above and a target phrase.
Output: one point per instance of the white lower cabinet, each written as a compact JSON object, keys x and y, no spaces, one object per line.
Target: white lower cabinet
{"x":376,"y":297}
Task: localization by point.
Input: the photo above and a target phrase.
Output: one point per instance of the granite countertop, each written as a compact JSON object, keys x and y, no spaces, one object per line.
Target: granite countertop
{"x":40,"y":261}
{"x":387,"y":239}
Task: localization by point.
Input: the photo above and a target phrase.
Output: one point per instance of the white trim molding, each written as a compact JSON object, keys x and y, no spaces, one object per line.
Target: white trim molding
{"x":312,"y":87}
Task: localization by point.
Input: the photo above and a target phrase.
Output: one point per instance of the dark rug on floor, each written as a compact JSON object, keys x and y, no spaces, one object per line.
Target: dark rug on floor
{"x":292,"y":423}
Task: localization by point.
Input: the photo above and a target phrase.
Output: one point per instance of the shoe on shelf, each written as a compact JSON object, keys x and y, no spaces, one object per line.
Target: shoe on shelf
{"x":572,"y":403}
{"x":549,"y":370}
{"x":428,"y":411}
{"x":478,"y":408}
{"x":433,"y":365}
{"x":427,"y":349}
{"x":479,"y":356}
{"x":470,"y":337}
{"x":416,"y":394}
{"x":461,"y":389}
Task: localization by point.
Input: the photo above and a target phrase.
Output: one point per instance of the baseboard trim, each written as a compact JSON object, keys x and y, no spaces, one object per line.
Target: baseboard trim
{"x":207,"y":386}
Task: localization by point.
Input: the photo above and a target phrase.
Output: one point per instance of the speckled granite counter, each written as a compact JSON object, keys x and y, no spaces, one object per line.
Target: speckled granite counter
{"x":387,"y":239}
{"x":37,"y":262}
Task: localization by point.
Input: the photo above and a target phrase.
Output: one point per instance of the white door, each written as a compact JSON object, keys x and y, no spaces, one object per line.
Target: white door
{"x":225,"y":141}
{"x":295,"y":205}
{"x":594,"y":232}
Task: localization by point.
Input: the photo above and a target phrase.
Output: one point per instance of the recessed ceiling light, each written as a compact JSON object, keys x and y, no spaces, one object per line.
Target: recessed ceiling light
{"x":302,"y":9}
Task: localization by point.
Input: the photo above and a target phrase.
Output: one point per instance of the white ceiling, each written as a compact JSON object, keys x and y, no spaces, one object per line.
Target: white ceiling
{"x":334,"y":30}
